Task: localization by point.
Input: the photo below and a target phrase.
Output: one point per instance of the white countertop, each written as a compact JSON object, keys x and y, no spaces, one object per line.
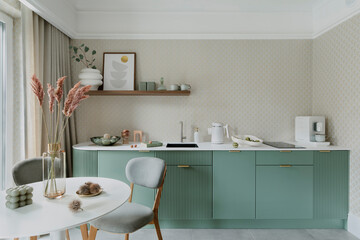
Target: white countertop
{"x":204,"y":146}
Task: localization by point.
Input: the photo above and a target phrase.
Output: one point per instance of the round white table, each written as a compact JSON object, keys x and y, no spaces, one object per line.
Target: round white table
{"x":54,"y":216}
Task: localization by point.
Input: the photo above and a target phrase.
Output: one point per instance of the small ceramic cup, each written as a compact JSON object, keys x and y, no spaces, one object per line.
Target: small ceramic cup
{"x":320,"y":137}
{"x":185,"y":87}
{"x":174,"y":87}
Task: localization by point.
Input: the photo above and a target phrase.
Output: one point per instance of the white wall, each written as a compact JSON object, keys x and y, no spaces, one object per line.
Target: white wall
{"x":256,"y":86}
{"x":336,"y":86}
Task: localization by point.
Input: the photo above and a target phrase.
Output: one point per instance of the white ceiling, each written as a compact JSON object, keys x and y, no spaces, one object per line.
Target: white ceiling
{"x":197,"y":5}
{"x":194,"y":19}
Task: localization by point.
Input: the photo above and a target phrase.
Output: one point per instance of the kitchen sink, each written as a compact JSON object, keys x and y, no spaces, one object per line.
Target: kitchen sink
{"x":182,"y":145}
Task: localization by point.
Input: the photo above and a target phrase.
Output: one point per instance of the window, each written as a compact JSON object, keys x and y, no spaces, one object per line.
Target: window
{"x":6,"y":78}
{"x":2,"y":113}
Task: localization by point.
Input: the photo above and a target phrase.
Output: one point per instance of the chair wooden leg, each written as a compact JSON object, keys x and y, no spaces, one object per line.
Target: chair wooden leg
{"x":84,"y":232}
{"x":33,"y":238}
{"x":68,"y":234}
{"x":157,"y":227}
{"x":126,"y":236}
{"x":93,"y":231}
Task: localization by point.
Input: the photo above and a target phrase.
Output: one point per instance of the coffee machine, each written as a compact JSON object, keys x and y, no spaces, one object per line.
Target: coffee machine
{"x":306,"y":127}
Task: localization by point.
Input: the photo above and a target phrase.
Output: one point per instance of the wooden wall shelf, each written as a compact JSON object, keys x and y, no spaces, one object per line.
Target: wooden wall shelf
{"x":138,"y":93}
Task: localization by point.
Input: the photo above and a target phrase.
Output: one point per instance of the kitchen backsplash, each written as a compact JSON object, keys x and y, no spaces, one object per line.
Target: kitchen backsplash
{"x":256,"y":86}
{"x":336,"y":87}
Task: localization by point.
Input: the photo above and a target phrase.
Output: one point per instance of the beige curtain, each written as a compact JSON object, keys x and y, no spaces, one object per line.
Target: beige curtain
{"x":46,"y":53}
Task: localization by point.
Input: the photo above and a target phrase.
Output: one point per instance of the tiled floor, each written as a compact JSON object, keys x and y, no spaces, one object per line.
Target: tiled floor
{"x":227,"y":234}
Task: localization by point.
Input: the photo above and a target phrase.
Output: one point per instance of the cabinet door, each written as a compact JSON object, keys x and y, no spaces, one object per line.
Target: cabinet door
{"x":85,"y":163}
{"x":234,"y":185}
{"x":187,"y":193}
{"x":331,"y":184}
{"x":284,"y":192}
{"x":112,"y":165}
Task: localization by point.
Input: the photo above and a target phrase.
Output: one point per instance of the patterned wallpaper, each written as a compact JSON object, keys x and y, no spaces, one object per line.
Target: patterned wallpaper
{"x":336,"y":87}
{"x":256,"y":86}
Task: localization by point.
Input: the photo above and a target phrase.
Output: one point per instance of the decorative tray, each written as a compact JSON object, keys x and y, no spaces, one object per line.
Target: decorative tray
{"x":89,"y":195}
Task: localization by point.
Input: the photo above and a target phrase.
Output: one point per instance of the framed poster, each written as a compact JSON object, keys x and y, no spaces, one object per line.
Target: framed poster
{"x":119,"y":71}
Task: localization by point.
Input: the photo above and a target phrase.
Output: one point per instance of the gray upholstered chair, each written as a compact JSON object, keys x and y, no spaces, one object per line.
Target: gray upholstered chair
{"x":29,"y":171}
{"x":146,"y":172}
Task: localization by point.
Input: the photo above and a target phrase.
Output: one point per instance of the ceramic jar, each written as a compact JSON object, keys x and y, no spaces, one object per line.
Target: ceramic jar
{"x":89,"y":76}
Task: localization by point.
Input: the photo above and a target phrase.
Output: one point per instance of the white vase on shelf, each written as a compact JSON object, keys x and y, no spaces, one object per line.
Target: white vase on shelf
{"x":89,"y":76}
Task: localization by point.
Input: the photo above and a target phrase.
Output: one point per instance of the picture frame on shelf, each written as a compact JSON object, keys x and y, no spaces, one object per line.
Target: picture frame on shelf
{"x":119,"y":70}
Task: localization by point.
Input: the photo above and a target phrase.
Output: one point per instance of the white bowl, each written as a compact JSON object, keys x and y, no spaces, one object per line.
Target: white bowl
{"x":94,"y":83}
{"x":89,"y":70}
{"x":241,"y":140}
{"x":88,"y":75}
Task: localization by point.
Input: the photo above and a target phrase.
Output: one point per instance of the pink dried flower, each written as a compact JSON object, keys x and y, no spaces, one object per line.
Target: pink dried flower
{"x":38,"y":89}
{"x":78,"y":97}
{"x":59,"y":89}
{"x":51,"y":93}
{"x":69,"y":98}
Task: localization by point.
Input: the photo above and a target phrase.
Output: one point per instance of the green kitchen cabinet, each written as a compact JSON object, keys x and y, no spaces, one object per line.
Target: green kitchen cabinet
{"x":284,"y":192}
{"x":223,"y":189}
{"x":234,"y":185}
{"x":187,"y":192}
{"x":85,"y":163}
{"x":112,"y":165}
{"x":331,"y":184}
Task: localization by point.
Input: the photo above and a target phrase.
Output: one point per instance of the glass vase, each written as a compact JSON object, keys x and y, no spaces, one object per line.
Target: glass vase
{"x":54,"y":171}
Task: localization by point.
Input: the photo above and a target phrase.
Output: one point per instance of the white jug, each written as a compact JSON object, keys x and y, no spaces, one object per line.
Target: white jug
{"x":217,"y":132}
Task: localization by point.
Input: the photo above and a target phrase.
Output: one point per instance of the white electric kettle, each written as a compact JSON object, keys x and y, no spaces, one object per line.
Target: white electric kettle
{"x":217,"y":132}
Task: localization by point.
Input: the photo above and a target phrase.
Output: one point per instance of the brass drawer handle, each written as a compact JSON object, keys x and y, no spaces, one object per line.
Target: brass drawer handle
{"x":234,"y":151}
{"x":324,"y":151}
{"x":183,"y":166}
{"x":285,"y":165}
{"x":285,"y":151}
{"x":144,"y":151}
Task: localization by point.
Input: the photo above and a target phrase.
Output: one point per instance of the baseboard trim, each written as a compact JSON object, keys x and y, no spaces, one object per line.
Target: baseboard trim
{"x":255,"y":223}
{"x":353,"y":225}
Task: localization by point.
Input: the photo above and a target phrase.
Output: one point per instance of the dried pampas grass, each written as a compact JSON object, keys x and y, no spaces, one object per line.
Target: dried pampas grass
{"x":59,"y":89}
{"x":51,"y":93}
{"x":38,"y":89}
{"x":74,"y":97}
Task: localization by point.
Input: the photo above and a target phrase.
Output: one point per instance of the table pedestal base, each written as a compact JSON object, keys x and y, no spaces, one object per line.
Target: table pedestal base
{"x":60,"y":235}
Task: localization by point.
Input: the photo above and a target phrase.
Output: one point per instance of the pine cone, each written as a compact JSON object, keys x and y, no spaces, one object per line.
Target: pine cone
{"x":75,"y":205}
{"x":84,"y":190}
{"x":94,"y":188}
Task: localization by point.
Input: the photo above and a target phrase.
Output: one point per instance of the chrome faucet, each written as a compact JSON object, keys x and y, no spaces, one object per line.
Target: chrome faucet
{"x":182,"y":137}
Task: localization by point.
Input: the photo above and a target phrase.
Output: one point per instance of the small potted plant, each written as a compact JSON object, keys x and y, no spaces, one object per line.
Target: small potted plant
{"x":88,"y":75}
